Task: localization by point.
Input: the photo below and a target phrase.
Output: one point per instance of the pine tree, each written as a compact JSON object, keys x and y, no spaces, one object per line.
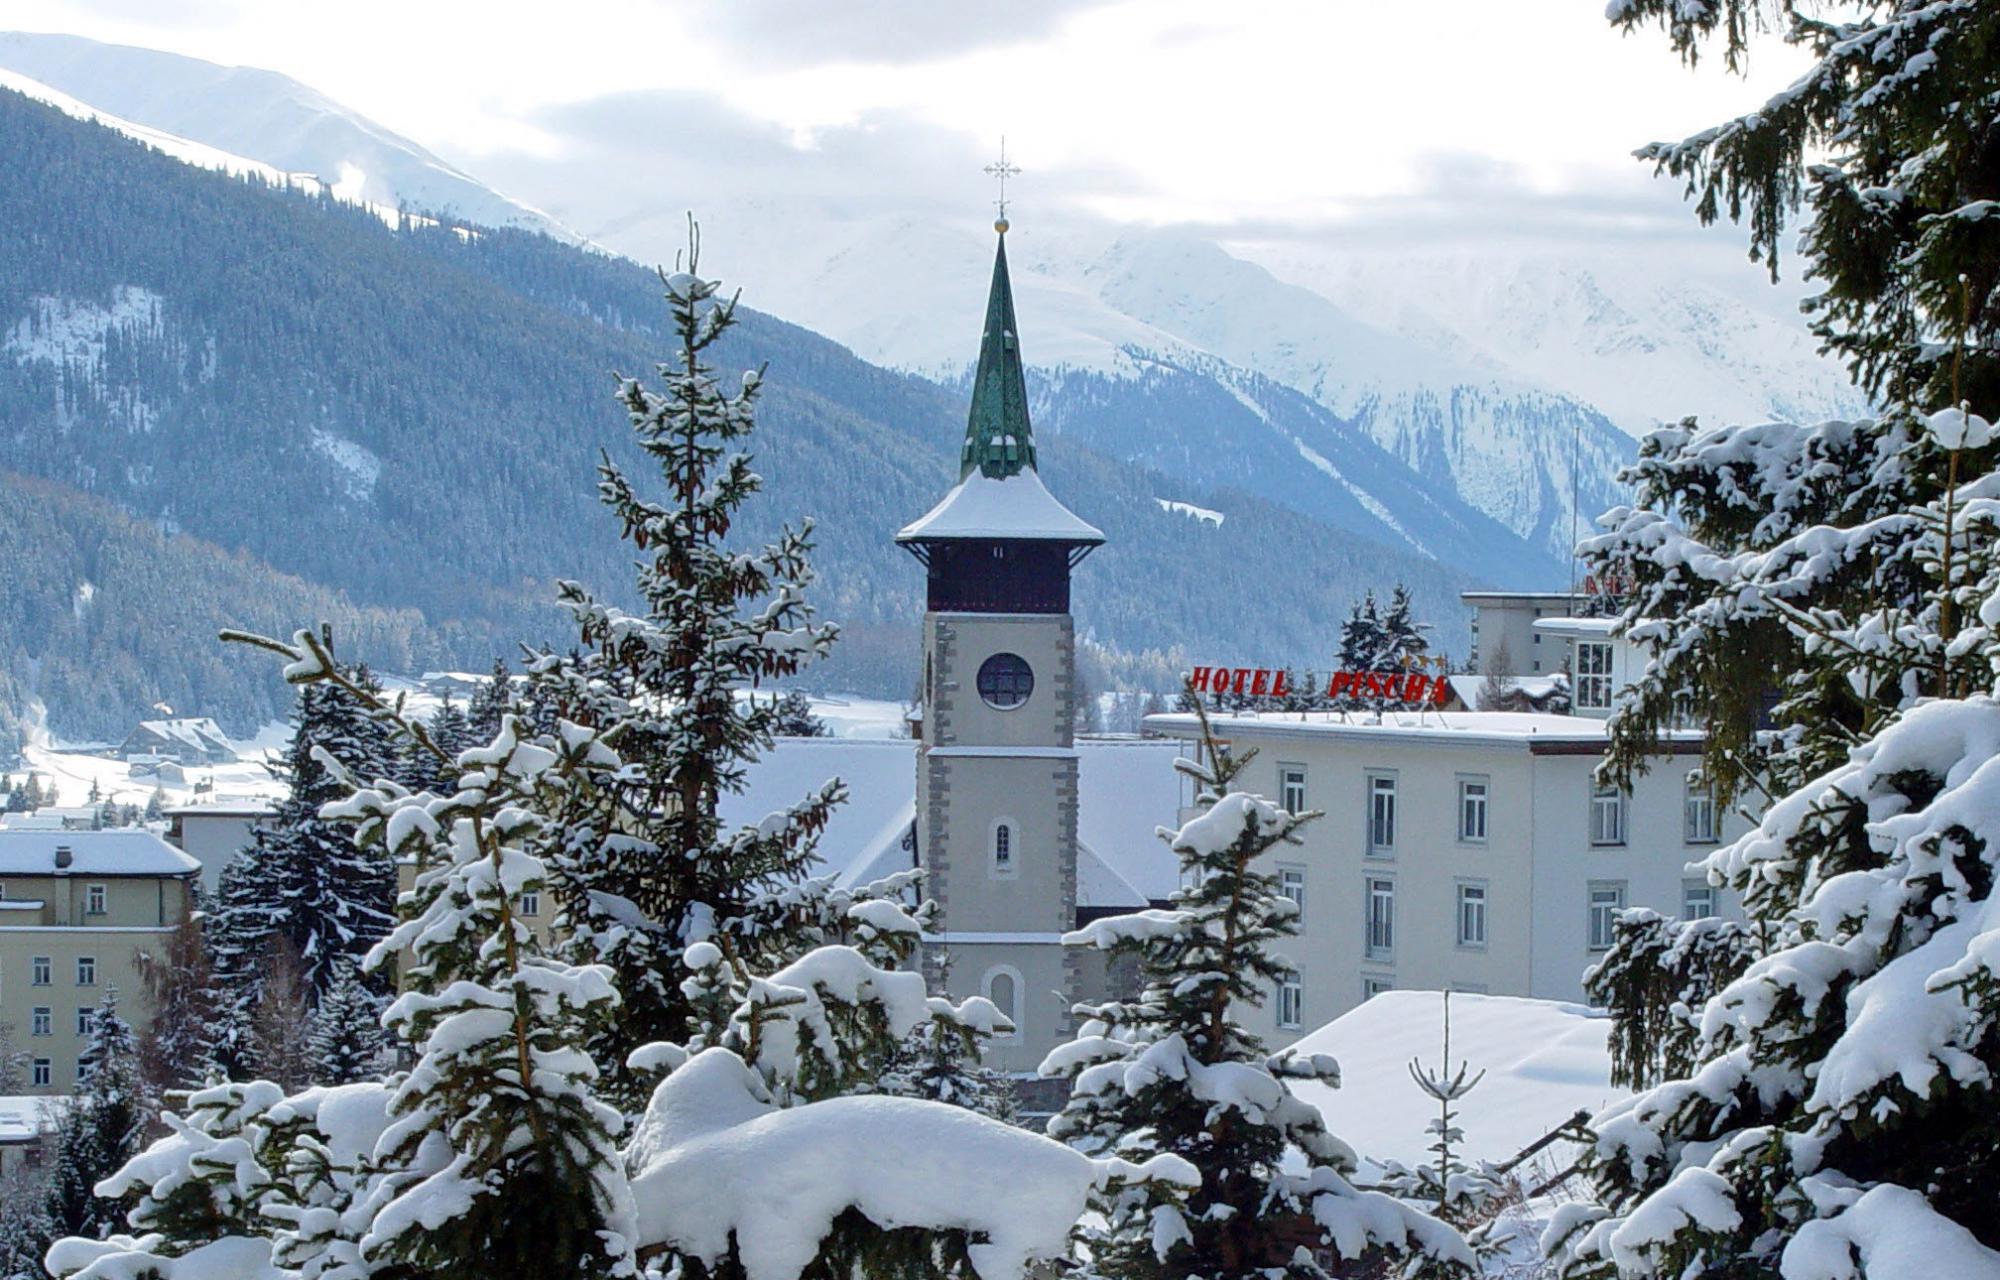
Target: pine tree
{"x":491,"y":704}
{"x":346,"y":1042}
{"x":500,"y":1148}
{"x":1447,"y":1186}
{"x":13,"y":1063}
{"x":1830,"y":1099}
{"x":1175,"y":1072}
{"x":281,"y":1022}
{"x":100,"y":1129}
{"x":1403,"y":641}
{"x":652,"y":871}
{"x":25,"y":1228}
{"x":795,"y":718}
{"x":156,"y":806}
{"x":1362,"y":640}
{"x":302,"y":891}
{"x":178,"y":1044}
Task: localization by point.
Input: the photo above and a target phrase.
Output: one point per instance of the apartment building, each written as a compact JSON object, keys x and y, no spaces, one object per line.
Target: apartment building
{"x":1469,"y":850}
{"x":77,"y":909}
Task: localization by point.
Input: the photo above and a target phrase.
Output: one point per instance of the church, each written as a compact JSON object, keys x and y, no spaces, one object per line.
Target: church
{"x":1022,"y":831}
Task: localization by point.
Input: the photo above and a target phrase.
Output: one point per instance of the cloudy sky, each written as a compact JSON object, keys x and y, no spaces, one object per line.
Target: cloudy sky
{"x":1432,"y":120}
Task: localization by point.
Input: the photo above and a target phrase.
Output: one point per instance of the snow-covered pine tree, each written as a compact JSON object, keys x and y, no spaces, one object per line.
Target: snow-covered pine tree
{"x":795,"y":718}
{"x":1174,"y":1072}
{"x":1403,"y":640}
{"x":101,"y":1128}
{"x":178,"y":1044}
{"x":302,"y":885}
{"x":1447,"y":1186}
{"x":491,"y":704}
{"x":652,"y":871}
{"x":156,"y":806}
{"x":1362,"y":640}
{"x":452,"y":731}
{"x":345,"y":1042}
{"x":1656,"y":979}
{"x":13,"y":1063}
{"x":1836,"y":1100}
{"x":939,"y":1061}
{"x":499,"y":1147}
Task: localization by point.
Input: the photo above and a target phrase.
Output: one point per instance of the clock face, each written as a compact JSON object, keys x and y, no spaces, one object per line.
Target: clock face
{"x":1005,"y":681}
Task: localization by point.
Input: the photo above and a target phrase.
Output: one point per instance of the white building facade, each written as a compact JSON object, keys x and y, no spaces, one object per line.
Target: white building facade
{"x":1468,"y":850}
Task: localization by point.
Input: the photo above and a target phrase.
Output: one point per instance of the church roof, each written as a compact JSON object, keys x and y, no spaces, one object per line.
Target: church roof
{"x":999,"y":494}
{"x":1016,"y":506}
{"x":999,"y":441}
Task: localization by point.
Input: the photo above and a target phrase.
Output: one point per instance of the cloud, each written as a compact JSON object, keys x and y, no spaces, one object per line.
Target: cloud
{"x":794,"y":33}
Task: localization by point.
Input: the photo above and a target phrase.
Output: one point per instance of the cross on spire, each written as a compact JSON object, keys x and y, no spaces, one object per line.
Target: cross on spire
{"x":1002,"y":171}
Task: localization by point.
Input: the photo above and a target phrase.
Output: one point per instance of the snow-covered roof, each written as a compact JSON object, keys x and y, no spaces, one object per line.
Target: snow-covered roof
{"x":1544,"y":1060}
{"x":1526,"y":729}
{"x":1018,"y":506}
{"x":1577,"y":626}
{"x":1533,"y":687}
{"x":1126,"y":789}
{"x":26,"y":1116}
{"x":92,"y":853}
{"x":243,"y":807}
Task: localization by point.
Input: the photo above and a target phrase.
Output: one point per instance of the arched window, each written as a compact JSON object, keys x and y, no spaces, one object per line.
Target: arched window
{"x":1003,"y":988}
{"x":1005,"y":836}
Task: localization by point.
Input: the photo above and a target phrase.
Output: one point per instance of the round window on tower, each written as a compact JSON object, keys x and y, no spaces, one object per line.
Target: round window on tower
{"x":1005,"y":681}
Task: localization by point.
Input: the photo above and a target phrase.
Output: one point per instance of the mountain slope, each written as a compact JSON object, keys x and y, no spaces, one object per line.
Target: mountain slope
{"x":266,"y":117}
{"x":411,"y":417}
{"x":1177,"y":397}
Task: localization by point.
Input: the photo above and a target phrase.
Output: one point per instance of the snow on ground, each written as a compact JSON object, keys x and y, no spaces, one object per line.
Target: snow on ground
{"x":1544,"y":1060}
{"x":1189,"y":509}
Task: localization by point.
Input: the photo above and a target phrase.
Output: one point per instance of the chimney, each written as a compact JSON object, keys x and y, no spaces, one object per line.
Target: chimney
{"x":64,"y":856}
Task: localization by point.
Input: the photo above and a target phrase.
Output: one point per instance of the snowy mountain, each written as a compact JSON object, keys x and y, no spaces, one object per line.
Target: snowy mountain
{"x":1138,"y":390}
{"x":1644,"y":345}
{"x":1507,"y":386}
{"x":243,"y":119}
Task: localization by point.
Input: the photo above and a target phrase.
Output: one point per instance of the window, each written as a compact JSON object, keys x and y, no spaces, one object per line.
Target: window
{"x":83,"y":1020}
{"x":531,"y":902}
{"x":39,"y":971}
{"x":1472,"y":810}
{"x":1375,"y":986}
{"x":42,"y":1022}
{"x":86,"y":971}
{"x":1291,"y":1001}
{"x":82,"y":1069}
{"x":1292,"y":787}
{"x":1381,"y":918}
{"x":1607,"y":816}
{"x":1003,"y":847}
{"x":1471,"y":915}
{"x":1292,"y":883}
{"x":1700,"y":811}
{"x":1381,"y":815}
{"x":1005,"y":681}
{"x":1697,"y":900}
{"x":42,"y":1074}
{"x":1593,"y":675}
{"x":93,"y":900}
{"x":1606,"y":901}
{"x":1003,"y":988}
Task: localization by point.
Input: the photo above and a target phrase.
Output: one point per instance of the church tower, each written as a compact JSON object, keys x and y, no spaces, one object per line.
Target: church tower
{"x":996,"y":764}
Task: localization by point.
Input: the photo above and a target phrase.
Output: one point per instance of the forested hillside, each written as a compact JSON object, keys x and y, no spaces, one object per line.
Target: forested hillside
{"x":410,"y":417}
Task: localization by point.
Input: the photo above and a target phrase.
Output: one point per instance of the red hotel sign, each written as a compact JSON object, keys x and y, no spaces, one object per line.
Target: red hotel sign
{"x":1390,"y":686}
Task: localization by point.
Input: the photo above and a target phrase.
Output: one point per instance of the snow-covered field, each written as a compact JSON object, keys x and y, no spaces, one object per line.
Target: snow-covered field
{"x":75,"y":768}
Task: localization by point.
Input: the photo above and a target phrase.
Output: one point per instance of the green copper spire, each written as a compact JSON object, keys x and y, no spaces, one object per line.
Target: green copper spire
{"x":998,"y":440}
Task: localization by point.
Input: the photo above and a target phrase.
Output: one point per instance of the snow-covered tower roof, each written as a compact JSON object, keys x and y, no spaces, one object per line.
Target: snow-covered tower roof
{"x":999,"y":496}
